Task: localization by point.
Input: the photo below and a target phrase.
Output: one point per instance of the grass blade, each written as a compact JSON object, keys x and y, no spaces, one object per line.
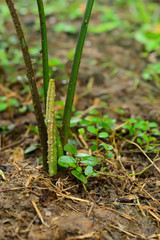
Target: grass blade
{"x":74,"y":72}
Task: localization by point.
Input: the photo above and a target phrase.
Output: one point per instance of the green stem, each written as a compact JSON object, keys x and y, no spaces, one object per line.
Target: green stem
{"x":51,"y":129}
{"x":44,"y":47}
{"x":74,"y":72}
{"x":45,"y":64}
{"x":59,"y":145}
{"x":31,"y":77}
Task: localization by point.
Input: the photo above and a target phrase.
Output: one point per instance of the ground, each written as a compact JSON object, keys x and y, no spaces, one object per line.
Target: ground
{"x":114,"y":205}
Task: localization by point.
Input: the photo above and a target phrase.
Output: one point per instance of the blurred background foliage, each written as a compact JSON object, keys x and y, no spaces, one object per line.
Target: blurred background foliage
{"x":138,"y":19}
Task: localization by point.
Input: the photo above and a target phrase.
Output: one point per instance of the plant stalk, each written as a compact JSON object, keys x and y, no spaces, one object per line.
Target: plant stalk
{"x":51,"y":129}
{"x":31,"y":77}
{"x":44,"y":47}
{"x":74,"y":72}
{"x":45,"y":64}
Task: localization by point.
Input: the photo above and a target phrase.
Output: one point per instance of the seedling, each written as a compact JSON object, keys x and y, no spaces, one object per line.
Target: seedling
{"x":142,"y":132}
{"x":109,"y":150}
{"x":81,"y":165}
{"x":152,"y":73}
{"x":4,"y":103}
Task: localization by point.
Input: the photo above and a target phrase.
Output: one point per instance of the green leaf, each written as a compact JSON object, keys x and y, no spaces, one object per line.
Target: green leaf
{"x":103,"y":169}
{"x":80,"y":176}
{"x":67,"y":161}
{"x":141,"y":125}
{"x":88,"y":170}
{"x":94,"y":174}
{"x":89,"y":160}
{"x":93,"y":112}
{"x":13,"y":102}
{"x":110,"y":155}
{"x":3,"y":106}
{"x":74,"y":122}
{"x":152,"y":124}
{"x":70,"y":148}
{"x":110,"y":148}
{"x":103,"y":27}
{"x":93,"y":119}
{"x":92,"y":129}
{"x":139,"y":141}
{"x":3,"y":98}
{"x":31,"y":149}
{"x":33,"y":128}
{"x":63,"y":27}
{"x":132,"y":120}
{"x":79,"y":169}
{"x":40,"y":160}
{"x":81,"y":155}
{"x":94,"y":148}
{"x":145,"y":137}
{"x":103,"y":135}
{"x":105,"y":146}
{"x":81,"y":131}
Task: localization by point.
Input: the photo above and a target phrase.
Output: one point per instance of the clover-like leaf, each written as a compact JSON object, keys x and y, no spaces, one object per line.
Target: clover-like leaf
{"x":88,"y":170}
{"x":89,"y":160}
{"x":67,"y":161}
{"x":103,"y":135}
{"x":70,"y":148}
{"x":80,"y":176}
{"x":92,"y":129}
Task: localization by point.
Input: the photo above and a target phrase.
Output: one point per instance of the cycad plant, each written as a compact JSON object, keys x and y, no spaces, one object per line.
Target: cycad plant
{"x":51,"y":143}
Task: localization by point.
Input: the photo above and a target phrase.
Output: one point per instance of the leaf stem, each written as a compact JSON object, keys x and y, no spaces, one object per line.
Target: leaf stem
{"x":44,"y":47}
{"x":74,"y":72}
{"x":31,"y":77}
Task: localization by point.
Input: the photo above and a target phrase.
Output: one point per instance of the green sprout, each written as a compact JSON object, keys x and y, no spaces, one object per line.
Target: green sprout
{"x":81,"y":165}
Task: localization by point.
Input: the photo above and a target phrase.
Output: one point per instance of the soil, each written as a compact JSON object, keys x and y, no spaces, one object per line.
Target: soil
{"x":34,"y":206}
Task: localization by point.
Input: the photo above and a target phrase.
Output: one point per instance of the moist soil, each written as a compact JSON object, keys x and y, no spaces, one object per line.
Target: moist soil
{"x":35,"y":206}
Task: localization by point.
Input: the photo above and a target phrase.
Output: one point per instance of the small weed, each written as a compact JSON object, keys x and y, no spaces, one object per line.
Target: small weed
{"x":6,"y":103}
{"x":152,"y":73}
{"x":31,"y":148}
{"x":109,"y":20}
{"x":143,"y":132}
{"x":81,"y":164}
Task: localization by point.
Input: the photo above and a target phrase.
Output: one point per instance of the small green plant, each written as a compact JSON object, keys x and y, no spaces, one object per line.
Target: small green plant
{"x":152,"y":74}
{"x":81,"y":165}
{"x":149,"y":35}
{"x":109,"y":150}
{"x":7,"y":103}
{"x":143,"y":132}
{"x":108,"y":20}
{"x":101,"y":130}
